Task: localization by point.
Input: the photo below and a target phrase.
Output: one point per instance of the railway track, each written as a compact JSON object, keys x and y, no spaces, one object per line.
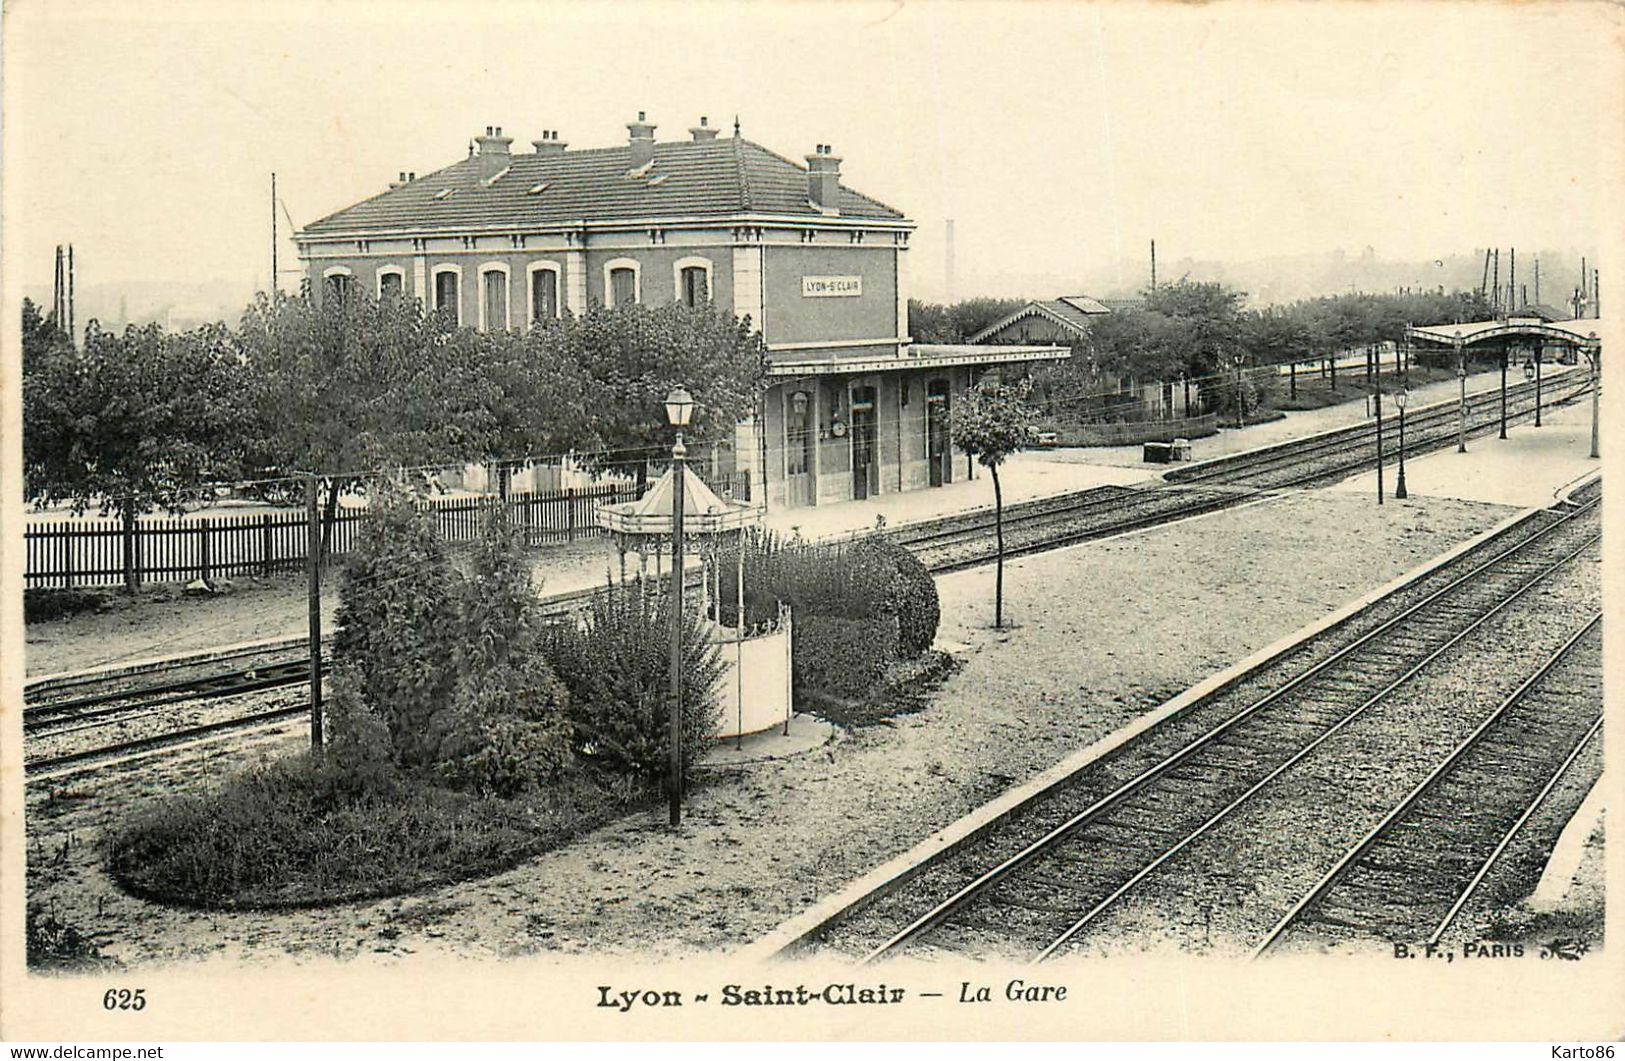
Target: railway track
{"x":124,"y":702}
{"x":1413,"y":874}
{"x":1184,"y":807}
{"x":954,"y":543}
{"x":1334,"y":454}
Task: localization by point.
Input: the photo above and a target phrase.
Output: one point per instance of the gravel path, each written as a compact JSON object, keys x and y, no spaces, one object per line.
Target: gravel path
{"x":1100,"y":633}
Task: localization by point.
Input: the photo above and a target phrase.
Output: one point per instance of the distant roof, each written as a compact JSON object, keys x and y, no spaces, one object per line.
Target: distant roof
{"x":1071,"y":312}
{"x":1575,"y":331}
{"x":719,"y":177}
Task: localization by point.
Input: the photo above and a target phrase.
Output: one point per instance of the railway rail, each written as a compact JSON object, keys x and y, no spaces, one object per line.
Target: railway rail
{"x":122,"y":701}
{"x":1037,"y":881}
{"x":1412,"y":875}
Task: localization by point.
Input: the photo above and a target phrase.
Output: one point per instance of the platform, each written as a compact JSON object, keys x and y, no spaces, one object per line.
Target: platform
{"x":1527,"y":468}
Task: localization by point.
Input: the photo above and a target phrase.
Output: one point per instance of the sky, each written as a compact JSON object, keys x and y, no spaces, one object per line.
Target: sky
{"x":1060,"y":138}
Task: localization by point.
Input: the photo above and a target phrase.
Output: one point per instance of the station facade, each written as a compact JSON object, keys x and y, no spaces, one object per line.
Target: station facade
{"x":501,"y":240}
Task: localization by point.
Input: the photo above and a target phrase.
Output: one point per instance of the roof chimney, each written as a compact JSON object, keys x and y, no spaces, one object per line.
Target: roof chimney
{"x":549,"y":144}
{"x":702,"y":131}
{"x":642,"y":141}
{"x":823,"y":177}
{"x":401,"y":182}
{"x":494,"y":156}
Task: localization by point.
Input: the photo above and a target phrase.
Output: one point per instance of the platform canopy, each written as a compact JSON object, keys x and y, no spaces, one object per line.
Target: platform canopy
{"x":1581,"y":333}
{"x":704,"y":512}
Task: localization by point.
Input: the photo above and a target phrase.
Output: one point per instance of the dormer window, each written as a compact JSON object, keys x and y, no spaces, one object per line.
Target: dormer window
{"x":537,"y":188}
{"x":444,"y":193}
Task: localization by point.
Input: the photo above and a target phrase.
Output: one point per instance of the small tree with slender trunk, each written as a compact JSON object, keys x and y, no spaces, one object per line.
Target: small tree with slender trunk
{"x":994,"y":420}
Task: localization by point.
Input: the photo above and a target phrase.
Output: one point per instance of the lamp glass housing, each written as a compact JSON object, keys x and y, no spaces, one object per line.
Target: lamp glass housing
{"x":679,"y":407}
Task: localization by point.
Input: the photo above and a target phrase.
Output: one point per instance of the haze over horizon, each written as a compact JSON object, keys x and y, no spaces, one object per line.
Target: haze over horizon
{"x":1060,"y":139}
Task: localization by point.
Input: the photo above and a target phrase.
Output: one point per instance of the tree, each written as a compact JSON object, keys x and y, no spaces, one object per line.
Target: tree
{"x":929,"y":322}
{"x":131,"y":422}
{"x":992,"y":421}
{"x":1206,"y":326}
{"x":634,"y":355}
{"x":352,"y":385}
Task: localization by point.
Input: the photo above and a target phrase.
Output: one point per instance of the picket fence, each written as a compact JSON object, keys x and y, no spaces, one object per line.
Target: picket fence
{"x":166,"y":549}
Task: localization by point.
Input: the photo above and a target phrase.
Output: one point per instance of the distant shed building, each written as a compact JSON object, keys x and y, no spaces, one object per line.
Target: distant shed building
{"x":1067,"y":321}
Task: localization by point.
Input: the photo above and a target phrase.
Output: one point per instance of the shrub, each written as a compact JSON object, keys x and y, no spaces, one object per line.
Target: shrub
{"x":443,"y":673}
{"x":616,"y":666}
{"x":53,"y":944}
{"x":917,"y":605}
{"x":303,"y":831}
{"x":840,"y":656}
{"x":883,"y":594}
{"x":505,"y":730}
{"x":44,"y":605}
{"x":395,"y":635}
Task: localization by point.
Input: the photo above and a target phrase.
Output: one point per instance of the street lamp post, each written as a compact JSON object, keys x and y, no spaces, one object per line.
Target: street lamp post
{"x":1401,"y":399}
{"x":679,"y":409}
{"x":1241,"y":395}
{"x":1378,"y":396}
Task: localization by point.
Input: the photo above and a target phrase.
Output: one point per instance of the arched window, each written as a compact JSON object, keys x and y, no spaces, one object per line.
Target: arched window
{"x":447,"y":292}
{"x":391,"y":282}
{"x":693,"y":280}
{"x":621,"y":282}
{"x":338,"y":283}
{"x":493,"y":297}
{"x":544,"y":291}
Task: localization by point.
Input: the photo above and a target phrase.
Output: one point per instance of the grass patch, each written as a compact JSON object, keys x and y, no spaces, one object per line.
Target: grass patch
{"x":302,"y":832}
{"x":1315,"y":392}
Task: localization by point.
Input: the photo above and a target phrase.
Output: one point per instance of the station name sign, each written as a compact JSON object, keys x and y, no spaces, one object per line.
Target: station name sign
{"x":831,"y":286}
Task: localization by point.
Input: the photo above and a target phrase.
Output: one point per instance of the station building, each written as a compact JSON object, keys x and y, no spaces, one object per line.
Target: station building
{"x":503,"y":239}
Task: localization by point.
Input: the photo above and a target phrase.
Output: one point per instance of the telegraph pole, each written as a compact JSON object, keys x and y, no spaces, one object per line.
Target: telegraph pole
{"x":273,"y":235}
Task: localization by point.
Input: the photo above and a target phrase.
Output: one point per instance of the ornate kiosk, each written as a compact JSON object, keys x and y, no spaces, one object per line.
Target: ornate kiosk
{"x":755,"y":693}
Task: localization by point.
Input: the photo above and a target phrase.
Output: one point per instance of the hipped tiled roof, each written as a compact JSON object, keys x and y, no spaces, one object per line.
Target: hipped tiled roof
{"x":719,"y":177}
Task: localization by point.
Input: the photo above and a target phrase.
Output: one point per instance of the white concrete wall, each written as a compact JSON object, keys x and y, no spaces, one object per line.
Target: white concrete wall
{"x":765,"y":685}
